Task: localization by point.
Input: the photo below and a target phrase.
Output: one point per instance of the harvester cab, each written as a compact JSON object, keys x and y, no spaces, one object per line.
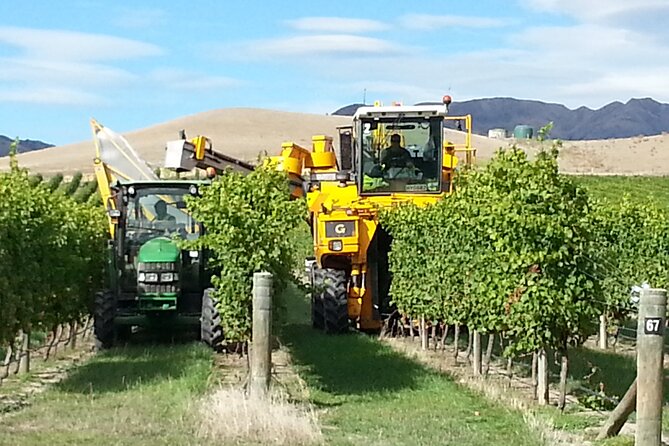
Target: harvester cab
{"x":152,"y":282}
{"x":400,"y":149}
{"x":388,"y":156}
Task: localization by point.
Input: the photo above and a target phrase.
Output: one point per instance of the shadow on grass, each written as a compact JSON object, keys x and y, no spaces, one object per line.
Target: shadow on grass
{"x":350,"y":364}
{"x":123,"y":368}
{"x":615,"y":371}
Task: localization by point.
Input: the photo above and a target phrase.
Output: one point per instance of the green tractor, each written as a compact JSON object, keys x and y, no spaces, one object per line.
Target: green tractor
{"x":152,"y":283}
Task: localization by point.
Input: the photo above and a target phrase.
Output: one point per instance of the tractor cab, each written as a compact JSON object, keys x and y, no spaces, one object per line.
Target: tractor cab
{"x":153,"y":279}
{"x":152,"y":219}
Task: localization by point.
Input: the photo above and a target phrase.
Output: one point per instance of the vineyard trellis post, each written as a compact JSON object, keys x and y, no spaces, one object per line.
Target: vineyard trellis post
{"x":476,"y":363}
{"x":24,"y":355}
{"x":261,"y":345}
{"x":542,"y":377}
{"x":603,"y":333}
{"x":650,"y":367}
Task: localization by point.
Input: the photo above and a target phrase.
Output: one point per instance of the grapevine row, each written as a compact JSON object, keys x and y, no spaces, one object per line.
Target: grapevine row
{"x":51,"y":253}
{"x":521,"y":250}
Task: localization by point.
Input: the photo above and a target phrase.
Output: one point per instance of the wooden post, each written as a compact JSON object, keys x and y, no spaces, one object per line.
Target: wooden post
{"x":620,"y":414}
{"x":603,"y":333}
{"x":73,"y":335}
{"x":423,"y":334}
{"x":456,"y":341}
{"x":650,"y":374}
{"x":564,"y":369}
{"x":261,"y":346}
{"x":542,"y":377}
{"x":24,"y":358}
{"x":476,"y":363}
{"x":488,"y":354}
{"x":535,"y":380}
{"x":6,"y":363}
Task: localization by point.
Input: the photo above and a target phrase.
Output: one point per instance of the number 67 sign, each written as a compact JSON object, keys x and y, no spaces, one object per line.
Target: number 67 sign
{"x":653,"y":326}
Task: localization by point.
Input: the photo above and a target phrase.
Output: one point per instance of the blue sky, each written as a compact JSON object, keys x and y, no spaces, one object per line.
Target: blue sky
{"x":133,"y":64}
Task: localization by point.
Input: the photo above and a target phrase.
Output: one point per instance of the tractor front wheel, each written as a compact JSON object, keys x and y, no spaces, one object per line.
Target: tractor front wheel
{"x":211,"y":332}
{"x":332,"y":284}
{"x":103,"y":319}
{"x":317,"y":305}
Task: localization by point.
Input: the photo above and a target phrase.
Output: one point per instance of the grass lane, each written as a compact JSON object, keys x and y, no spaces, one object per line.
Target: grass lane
{"x":370,"y":393}
{"x":128,"y":395}
{"x":644,"y":189}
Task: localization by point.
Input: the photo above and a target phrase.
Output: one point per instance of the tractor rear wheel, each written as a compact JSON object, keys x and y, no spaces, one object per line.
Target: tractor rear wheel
{"x":211,"y":332}
{"x":317,"y":305}
{"x":333,"y":283}
{"x":103,"y":319}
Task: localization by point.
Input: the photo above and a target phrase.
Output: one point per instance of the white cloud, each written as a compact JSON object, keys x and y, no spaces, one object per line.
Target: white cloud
{"x":405,"y":92}
{"x":51,"y":96}
{"x":597,"y":9}
{"x":141,"y":18}
{"x":339,"y":25}
{"x":78,"y":74}
{"x":62,"y":45}
{"x":432,"y":22}
{"x":320,"y":45}
{"x":65,"y":67}
{"x":188,"y":80}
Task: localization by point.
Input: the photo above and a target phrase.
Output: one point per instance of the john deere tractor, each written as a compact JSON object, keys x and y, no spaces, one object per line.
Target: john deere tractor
{"x":152,"y":282}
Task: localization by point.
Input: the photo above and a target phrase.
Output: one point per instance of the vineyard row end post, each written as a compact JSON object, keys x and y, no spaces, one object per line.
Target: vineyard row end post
{"x":650,"y":367}
{"x":261,"y":345}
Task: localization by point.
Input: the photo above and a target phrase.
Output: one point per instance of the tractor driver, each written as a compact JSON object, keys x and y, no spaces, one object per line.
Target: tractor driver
{"x":161,"y":212}
{"x":395,"y":155}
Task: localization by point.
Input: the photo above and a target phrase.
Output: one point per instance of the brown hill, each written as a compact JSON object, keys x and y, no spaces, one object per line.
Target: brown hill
{"x":244,"y":133}
{"x":239,"y":132}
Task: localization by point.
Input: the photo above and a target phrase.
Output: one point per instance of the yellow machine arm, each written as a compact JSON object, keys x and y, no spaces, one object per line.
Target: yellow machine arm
{"x":183,"y":155}
{"x":115,"y":159}
{"x":321,"y":159}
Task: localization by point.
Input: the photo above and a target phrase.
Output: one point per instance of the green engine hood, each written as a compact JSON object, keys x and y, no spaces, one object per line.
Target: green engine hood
{"x":160,"y":249}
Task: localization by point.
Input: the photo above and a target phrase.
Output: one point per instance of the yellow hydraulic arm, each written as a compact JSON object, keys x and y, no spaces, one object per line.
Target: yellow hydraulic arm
{"x":183,"y":155}
{"x":115,"y":159}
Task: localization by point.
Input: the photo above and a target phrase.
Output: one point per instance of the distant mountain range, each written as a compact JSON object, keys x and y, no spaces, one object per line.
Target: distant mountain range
{"x":616,"y":120}
{"x":25,"y":145}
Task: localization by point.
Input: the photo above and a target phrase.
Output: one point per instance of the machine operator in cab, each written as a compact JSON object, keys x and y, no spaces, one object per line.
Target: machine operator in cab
{"x":161,"y":212}
{"x":395,"y":155}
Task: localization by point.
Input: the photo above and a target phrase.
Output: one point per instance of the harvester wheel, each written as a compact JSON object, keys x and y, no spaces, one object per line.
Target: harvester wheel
{"x":103,"y":319}
{"x":317,"y":305}
{"x":335,"y":300}
{"x":211,"y":332}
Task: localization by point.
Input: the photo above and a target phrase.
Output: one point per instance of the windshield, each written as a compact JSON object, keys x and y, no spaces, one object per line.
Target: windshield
{"x":154,"y":212}
{"x":401,"y":154}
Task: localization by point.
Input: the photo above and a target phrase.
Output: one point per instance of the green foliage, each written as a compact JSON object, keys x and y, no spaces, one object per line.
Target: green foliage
{"x":54,"y":182}
{"x":35,"y":179}
{"x":51,"y":259}
{"x":247,"y":220}
{"x":71,"y":187}
{"x":83,"y":194}
{"x":508,"y":252}
{"x":633,"y":248}
{"x":13,"y":150}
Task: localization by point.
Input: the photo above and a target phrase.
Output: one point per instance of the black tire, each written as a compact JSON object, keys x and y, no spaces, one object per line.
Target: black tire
{"x":317,"y":306}
{"x":333,"y":283}
{"x":104,"y":311}
{"x":211,"y":332}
